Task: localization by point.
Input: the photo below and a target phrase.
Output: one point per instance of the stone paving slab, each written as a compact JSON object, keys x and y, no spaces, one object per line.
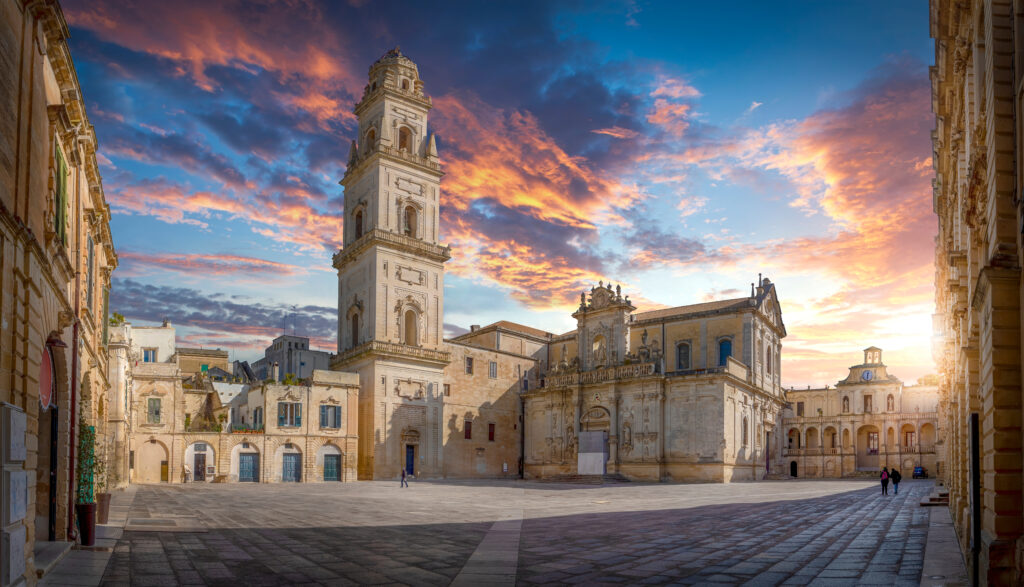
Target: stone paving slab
{"x":489,"y":533}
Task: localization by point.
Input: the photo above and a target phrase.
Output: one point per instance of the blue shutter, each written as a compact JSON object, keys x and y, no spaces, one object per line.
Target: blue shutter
{"x":298,"y":414}
{"x":280,"y":414}
{"x":337,"y":417}
{"x":323,"y":416}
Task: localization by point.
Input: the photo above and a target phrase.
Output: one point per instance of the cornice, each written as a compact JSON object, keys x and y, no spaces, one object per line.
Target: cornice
{"x":391,"y":240}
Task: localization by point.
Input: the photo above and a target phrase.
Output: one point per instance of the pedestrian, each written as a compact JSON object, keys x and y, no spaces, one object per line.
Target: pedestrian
{"x":896,"y":478}
{"x":404,"y":482}
{"x":885,"y":480}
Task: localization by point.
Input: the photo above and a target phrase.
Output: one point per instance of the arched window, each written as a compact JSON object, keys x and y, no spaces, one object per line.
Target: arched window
{"x":359,"y":224}
{"x":846,"y":405}
{"x":404,"y":139}
{"x":768,"y":359}
{"x":355,"y":330}
{"x":746,"y":436}
{"x":683,"y":356}
{"x":411,"y":329}
{"x":724,"y":351}
{"x":409,"y":224}
{"x":371,"y":139}
{"x":405,"y":84}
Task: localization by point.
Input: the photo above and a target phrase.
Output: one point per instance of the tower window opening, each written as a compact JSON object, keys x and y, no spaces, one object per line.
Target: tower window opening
{"x":404,"y":139}
{"x":409,"y":227}
{"x":405,"y":84}
{"x":359,"y":224}
{"x":355,"y":330}
{"x":371,"y":139}
{"x":410,"y":328}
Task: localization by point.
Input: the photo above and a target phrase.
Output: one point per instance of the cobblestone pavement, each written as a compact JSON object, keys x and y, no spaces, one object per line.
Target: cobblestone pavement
{"x":766,"y":533}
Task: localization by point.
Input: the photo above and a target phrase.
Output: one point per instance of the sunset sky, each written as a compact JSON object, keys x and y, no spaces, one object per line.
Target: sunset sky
{"x":676,"y":148}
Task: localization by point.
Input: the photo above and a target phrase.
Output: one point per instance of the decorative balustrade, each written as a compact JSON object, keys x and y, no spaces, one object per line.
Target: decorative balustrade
{"x":394,"y":349}
{"x":416,"y":246}
{"x":793,"y":452}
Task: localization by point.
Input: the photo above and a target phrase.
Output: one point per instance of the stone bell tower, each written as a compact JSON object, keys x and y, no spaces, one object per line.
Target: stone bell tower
{"x":391,"y":275}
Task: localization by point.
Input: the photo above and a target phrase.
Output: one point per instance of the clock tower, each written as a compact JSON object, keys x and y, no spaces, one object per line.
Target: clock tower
{"x":391,"y":276}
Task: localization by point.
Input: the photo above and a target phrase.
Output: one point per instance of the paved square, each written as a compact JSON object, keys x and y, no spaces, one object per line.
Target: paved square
{"x":434,"y":533}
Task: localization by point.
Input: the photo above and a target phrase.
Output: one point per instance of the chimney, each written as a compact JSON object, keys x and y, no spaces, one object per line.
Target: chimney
{"x":760,"y":286}
{"x":474,"y":328}
{"x":274,"y":372}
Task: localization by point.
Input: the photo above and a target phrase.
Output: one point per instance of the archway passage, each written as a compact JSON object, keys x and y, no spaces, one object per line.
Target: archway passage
{"x":592,"y":454}
{"x":151,"y":463}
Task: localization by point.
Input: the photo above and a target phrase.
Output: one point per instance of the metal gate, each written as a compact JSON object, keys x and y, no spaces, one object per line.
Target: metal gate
{"x":291,"y":468}
{"x":332,"y":467}
{"x":199,"y":471}
{"x":249,"y":467}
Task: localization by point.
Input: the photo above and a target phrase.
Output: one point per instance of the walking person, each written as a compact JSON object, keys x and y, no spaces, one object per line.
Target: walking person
{"x":404,"y":482}
{"x":896,"y":478}
{"x":885,"y":480}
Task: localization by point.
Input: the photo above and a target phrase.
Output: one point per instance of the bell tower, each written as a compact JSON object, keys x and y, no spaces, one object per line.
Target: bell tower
{"x":391,"y":273}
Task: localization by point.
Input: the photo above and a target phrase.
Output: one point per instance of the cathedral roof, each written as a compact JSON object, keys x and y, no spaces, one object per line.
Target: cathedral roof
{"x":715,"y":306}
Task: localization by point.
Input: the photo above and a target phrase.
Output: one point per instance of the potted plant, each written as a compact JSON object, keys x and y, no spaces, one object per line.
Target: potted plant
{"x":102,"y":495}
{"x":85,"y":499}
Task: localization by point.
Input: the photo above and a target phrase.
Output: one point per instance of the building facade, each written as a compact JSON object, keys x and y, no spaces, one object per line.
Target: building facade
{"x":182,"y":429}
{"x":976,"y":97}
{"x":56,"y":256}
{"x":290,"y":355}
{"x":869,"y":420}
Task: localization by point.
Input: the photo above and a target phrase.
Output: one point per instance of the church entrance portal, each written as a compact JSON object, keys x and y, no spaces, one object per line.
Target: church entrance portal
{"x":592,"y":453}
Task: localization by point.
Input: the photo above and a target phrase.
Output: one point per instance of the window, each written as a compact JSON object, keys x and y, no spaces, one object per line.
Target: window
{"x":257,"y":418}
{"x":89,"y":280}
{"x":909,"y":438}
{"x":404,"y":139}
{"x":409,"y":225}
{"x":131,"y":459}
{"x":411,"y":328}
{"x":355,"y":330}
{"x":469,"y":365}
{"x":330,"y":416}
{"x":204,"y":368}
{"x":867,"y":403}
{"x":405,"y":84}
{"x":371,"y":139}
{"x":768,"y":359}
{"x":289,"y":414}
{"x":846,"y":405}
{"x":872,"y":443}
{"x":148,"y":355}
{"x":153,"y":411}
{"x":799,"y":408}
{"x":746,"y":437}
{"x":359,"y":224}
{"x":61,"y":196}
{"x":447,"y":390}
{"x":683,"y":356}
{"x":724,"y":351}
{"x":469,"y":429}
{"x":492,"y":370}
{"x":106,"y":315}
{"x":490,"y":431}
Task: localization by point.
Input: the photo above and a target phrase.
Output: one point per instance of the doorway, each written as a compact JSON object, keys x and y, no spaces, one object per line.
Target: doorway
{"x":291,"y":467}
{"x":410,"y":459}
{"x":199,"y":471}
{"x":248,"y":467}
{"x":332,"y":467}
{"x":792,"y":469}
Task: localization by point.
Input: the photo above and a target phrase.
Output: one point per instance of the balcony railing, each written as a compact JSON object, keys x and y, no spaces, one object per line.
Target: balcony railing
{"x":408,"y":243}
{"x":395,"y":349}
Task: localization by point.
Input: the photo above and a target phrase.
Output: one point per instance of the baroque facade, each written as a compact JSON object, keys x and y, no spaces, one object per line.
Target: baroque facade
{"x":56,"y":256}
{"x":976,"y":98}
{"x":869,"y":420}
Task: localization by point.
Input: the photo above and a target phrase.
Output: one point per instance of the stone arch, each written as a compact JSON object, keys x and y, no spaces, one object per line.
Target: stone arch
{"x":793,"y":439}
{"x":246,"y":447}
{"x":287,"y":447}
{"x":596,"y":418}
{"x":410,"y":221}
{"x":812,"y":438}
{"x":405,"y":84}
{"x":370,"y":140}
{"x":829,"y":437}
{"x":190,"y":459}
{"x":328,"y":448}
{"x":405,"y":138}
{"x":353,"y":321}
{"x":683,"y":356}
{"x":908,"y":435}
{"x":927,"y":434}
{"x":358,"y":222}
{"x":410,"y":322}
{"x":890,"y":437}
{"x":152,"y":462}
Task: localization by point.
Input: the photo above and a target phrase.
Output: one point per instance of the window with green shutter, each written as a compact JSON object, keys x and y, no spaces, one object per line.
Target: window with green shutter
{"x":330,"y":416}
{"x":154,"y":410}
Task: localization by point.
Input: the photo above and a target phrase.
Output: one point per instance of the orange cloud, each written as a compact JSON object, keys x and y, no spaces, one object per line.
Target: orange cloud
{"x":617,"y":132}
{"x":207,"y":265}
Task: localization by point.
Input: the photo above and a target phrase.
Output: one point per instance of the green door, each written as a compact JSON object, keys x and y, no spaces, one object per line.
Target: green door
{"x":332,"y":467}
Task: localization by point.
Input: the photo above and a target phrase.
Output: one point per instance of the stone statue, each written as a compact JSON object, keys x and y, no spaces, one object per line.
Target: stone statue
{"x":643,"y":338}
{"x":583,"y":299}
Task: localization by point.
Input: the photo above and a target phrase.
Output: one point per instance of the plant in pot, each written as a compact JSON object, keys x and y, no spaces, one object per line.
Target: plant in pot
{"x":85,"y":500}
{"x":102,"y":495}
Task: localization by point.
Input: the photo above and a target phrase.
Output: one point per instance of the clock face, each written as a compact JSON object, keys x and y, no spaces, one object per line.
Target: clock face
{"x":867,"y":375}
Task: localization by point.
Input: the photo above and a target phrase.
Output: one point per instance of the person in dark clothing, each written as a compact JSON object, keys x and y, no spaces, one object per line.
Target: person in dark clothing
{"x":896,"y":478}
{"x":885,"y":480}
{"x":404,"y":482}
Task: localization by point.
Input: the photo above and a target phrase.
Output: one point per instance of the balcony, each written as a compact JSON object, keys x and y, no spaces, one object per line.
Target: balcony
{"x":393,"y":349}
{"x":401,"y":242}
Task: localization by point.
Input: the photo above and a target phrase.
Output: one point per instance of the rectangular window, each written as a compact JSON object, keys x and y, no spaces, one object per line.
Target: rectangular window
{"x":447,"y":390}
{"x":799,"y":408}
{"x":469,"y":429}
{"x":289,"y":414}
{"x":908,"y":439}
{"x":153,"y":411}
{"x":867,"y":403}
{"x":330,"y":416}
{"x":872,"y":443}
{"x":492,"y":370}
{"x":131,"y":459}
{"x":106,"y":315}
{"x":469,"y":365}
{"x":490,"y":431}
{"x":89,"y":279}
{"x":61,"y":196}
{"x":148,"y":355}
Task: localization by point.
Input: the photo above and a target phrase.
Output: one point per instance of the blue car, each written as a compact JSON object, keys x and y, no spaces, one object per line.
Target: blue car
{"x":920,"y":473}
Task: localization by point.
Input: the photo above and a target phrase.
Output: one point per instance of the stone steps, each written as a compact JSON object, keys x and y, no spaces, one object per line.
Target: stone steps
{"x":941,"y":497}
{"x":48,"y":554}
{"x":611,"y":479}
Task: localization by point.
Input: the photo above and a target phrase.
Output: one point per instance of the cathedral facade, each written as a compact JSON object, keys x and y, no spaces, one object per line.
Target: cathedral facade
{"x":685,"y":393}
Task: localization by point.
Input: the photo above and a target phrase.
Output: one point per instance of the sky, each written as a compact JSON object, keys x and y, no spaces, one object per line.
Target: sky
{"x":676,"y":148}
